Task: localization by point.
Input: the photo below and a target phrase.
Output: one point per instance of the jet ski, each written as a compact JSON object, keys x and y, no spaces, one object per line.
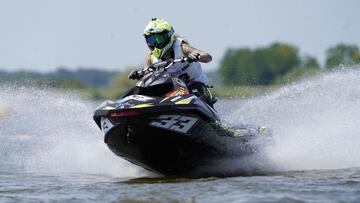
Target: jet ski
{"x":160,"y":126}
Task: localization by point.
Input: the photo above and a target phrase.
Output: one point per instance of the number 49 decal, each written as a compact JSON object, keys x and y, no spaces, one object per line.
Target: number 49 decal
{"x":175,"y":123}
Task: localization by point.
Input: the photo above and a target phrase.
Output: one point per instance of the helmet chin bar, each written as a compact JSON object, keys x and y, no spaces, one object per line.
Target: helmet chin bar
{"x":159,"y":53}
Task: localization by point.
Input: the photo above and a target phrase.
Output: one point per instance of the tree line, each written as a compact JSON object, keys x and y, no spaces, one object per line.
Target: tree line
{"x":62,"y":77}
{"x":278,"y":63}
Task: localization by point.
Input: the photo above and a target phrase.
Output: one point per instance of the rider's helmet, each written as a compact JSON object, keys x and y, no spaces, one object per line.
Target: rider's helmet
{"x":159,"y":36}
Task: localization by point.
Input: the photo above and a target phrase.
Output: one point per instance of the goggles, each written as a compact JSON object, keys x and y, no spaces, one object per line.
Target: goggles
{"x":159,"y":40}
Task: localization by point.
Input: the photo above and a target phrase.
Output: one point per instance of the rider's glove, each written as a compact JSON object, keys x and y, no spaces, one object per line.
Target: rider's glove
{"x":193,"y":57}
{"x":136,"y":74}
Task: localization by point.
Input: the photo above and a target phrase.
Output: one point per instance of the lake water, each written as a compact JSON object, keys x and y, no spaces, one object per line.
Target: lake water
{"x":303,"y":186}
{"x":52,"y":151}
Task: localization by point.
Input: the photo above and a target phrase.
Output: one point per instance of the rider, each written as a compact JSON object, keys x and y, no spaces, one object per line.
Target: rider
{"x":165,"y":45}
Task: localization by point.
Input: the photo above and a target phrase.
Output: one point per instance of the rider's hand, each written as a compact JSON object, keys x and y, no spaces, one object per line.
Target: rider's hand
{"x":193,"y":56}
{"x":135,"y":74}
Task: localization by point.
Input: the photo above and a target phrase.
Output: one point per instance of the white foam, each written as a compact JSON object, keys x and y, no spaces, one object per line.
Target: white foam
{"x":53,"y":131}
{"x":316,"y":121}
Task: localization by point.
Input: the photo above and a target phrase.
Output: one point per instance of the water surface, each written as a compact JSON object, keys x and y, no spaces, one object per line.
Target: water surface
{"x":52,"y":151}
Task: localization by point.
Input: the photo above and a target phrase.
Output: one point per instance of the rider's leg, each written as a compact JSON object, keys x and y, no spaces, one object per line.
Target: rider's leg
{"x":200,"y":90}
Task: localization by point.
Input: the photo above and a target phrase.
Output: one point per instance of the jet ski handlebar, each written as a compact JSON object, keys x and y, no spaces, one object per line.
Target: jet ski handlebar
{"x":165,"y":65}
{"x":160,"y":66}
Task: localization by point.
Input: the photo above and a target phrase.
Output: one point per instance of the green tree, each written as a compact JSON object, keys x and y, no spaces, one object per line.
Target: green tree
{"x":308,"y":66}
{"x":120,"y":84}
{"x":309,"y":62}
{"x":342,"y":54}
{"x":258,"y":67}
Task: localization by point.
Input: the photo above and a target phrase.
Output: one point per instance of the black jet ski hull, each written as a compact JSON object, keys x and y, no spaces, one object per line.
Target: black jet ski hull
{"x":173,"y":136}
{"x":185,"y":152}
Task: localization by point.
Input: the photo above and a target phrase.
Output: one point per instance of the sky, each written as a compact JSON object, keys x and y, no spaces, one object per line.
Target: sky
{"x":42,"y":35}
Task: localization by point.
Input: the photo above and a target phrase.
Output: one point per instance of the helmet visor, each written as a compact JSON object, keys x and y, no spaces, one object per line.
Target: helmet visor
{"x":158,"y":40}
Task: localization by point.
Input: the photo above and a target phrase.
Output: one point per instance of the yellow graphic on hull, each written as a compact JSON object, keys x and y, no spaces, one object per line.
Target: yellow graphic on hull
{"x":184,"y":101}
{"x":138,"y":84}
{"x":108,"y":108}
{"x":142,"y":106}
{"x":164,"y":99}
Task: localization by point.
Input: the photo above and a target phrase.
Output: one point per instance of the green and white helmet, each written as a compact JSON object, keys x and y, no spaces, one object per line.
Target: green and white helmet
{"x":159,"y":36}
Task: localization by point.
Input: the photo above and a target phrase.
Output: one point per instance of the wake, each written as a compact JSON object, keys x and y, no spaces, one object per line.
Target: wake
{"x":315,"y":122}
{"x":52,"y":131}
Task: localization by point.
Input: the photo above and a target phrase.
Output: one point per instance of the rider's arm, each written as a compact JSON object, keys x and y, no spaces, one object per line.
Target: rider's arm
{"x":147,"y":63}
{"x":204,"y":56}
